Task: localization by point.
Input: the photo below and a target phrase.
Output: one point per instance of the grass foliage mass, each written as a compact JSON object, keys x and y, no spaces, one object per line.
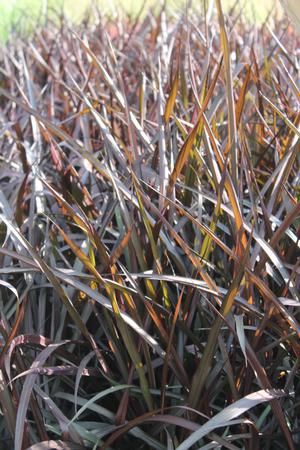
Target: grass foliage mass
{"x":149,"y":231}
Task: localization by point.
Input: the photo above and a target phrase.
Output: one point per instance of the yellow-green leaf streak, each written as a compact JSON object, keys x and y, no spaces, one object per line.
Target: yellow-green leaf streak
{"x":205,"y":364}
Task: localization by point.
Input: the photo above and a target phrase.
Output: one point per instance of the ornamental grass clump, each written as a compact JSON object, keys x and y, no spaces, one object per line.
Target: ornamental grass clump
{"x":149,"y":208}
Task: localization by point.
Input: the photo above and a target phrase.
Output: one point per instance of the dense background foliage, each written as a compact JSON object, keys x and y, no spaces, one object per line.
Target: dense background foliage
{"x":25,"y":15}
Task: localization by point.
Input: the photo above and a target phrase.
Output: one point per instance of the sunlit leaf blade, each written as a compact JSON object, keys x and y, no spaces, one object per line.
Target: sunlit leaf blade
{"x":229,"y":413}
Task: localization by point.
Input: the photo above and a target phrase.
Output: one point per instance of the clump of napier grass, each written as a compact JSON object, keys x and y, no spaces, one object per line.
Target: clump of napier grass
{"x":149,"y":194}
